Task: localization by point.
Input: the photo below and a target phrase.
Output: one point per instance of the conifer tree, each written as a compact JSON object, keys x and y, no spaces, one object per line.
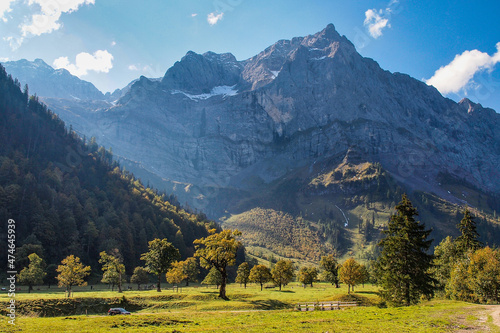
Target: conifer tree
{"x":213,"y":277}
{"x":468,"y":240}
{"x":403,"y":265}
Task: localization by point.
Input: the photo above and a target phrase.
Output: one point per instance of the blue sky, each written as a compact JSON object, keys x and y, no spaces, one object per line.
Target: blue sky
{"x":450,"y":44}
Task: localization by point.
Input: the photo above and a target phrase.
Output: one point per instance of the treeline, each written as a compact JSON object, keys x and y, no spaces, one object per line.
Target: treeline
{"x":68,"y":197}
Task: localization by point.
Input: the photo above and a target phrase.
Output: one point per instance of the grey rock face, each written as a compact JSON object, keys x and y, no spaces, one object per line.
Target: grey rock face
{"x":48,"y":82}
{"x":218,"y":123}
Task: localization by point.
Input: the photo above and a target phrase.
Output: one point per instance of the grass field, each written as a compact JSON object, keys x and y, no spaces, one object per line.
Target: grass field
{"x":197,"y":309}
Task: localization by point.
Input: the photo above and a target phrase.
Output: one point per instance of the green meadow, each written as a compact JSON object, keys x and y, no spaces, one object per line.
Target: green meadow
{"x":197,"y":309}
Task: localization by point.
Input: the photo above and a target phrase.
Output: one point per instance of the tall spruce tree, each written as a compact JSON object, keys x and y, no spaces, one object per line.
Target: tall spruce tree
{"x":404,"y":263}
{"x":468,"y":240}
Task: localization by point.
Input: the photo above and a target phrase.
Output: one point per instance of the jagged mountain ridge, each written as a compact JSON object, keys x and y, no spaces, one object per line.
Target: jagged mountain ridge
{"x":214,"y":123}
{"x":296,"y":102}
{"x":49,"y":82}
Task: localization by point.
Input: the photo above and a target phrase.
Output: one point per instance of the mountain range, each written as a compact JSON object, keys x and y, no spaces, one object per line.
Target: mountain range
{"x":308,"y":127}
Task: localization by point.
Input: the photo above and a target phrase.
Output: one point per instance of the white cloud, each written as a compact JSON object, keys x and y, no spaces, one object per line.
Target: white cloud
{"x":5,"y":8}
{"x":100,"y":61}
{"x":194,"y":14}
{"x":50,"y":12}
{"x":376,"y":22}
{"x":459,"y":73}
{"x":4,"y":59}
{"x":133,"y":68}
{"x":213,"y":18}
{"x":113,"y":43}
{"x":14,"y":42}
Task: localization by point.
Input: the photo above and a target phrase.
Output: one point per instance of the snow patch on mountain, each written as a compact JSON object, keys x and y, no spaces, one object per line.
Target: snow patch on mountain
{"x":223,"y":91}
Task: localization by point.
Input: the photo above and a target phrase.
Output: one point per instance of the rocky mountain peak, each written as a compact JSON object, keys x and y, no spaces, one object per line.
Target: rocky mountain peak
{"x":200,"y":73}
{"x":48,"y":82}
{"x":469,"y":105}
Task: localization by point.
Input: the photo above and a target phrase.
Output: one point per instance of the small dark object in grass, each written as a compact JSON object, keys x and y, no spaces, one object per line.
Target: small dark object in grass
{"x":115,"y":311}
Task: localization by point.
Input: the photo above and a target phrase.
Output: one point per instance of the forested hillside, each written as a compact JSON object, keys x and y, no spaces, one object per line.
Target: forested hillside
{"x":67,"y":196}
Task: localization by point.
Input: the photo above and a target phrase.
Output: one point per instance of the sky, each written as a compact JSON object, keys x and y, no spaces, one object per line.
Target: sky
{"x":452,"y":45}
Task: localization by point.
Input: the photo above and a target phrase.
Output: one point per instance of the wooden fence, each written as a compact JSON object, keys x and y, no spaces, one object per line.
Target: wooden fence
{"x":322,"y":306}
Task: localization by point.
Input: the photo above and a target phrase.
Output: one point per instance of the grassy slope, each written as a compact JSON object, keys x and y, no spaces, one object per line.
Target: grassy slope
{"x":246,"y":312}
{"x":366,"y":194}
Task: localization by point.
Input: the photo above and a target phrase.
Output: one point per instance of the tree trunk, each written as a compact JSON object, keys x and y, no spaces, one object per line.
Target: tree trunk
{"x":120,"y":283}
{"x":261,"y":286}
{"x":280,"y":286}
{"x":222,"y":290}
{"x":407,"y":294}
{"x":348,"y":288}
{"x":158,"y":287}
{"x":337,"y":284}
{"x":29,"y":289}
{"x":187,"y":282}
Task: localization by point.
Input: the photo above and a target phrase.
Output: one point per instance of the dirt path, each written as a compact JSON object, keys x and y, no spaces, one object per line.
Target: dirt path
{"x":495,"y":314}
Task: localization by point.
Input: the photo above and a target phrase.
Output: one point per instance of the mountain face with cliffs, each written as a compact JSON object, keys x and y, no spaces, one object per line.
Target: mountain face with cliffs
{"x":227,"y":136}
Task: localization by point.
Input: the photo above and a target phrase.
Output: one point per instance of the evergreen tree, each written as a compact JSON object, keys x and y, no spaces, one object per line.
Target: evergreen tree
{"x":213,"y":278}
{"x":403,"y":265}
{"x":468,"y":240}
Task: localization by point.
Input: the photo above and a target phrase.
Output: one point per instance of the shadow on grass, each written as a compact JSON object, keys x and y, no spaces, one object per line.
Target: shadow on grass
{"x":270,"y":304}
{"x":367,"y":292}
{"x":285,"y":291}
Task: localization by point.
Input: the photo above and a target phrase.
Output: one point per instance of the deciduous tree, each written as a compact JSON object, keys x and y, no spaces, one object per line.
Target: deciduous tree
{"x":484,"y":274}
{"x":113,"y":268}
{"x":260,"y":274}
{"x":446,"y":256}
{"x":243,"y":274}
{"x":34,"y":273}
{"x":330,"y":267}
{"x":307,"y":275}
{"x":176,"y":274}
{"x":140,"y":276}
{"x":283,"y":273}
{"x":72,"y":273}
{"x":218,"y":250}
{"x":159,"y":258}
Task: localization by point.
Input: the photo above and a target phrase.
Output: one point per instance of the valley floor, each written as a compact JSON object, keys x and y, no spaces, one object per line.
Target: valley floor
{"x":197,"y":309}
